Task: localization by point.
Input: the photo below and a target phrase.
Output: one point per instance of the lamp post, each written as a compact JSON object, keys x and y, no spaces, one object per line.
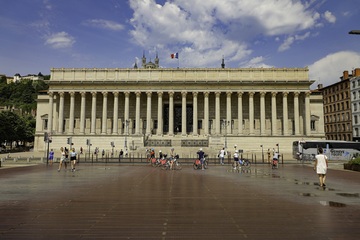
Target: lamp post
{"x":126,"y":132}
{"x":262,"y":152}
{"x":354,"y":32}
{"x":112,"y":151}
{"x":225,"y":124}
{"x":88,"y":144}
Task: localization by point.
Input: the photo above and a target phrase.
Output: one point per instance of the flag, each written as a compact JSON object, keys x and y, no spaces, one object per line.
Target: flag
{"x":174,"y":55}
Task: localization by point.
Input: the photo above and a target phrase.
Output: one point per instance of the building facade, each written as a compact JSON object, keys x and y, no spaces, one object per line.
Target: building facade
{"x":186,"y":109}
{"x":337,"y":110}
{"x":355,"y":103}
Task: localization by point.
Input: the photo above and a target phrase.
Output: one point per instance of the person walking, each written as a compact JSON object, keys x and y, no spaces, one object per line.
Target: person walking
{"x":62,"y":158}
{"x":121,"y":155}
{"x":201,"y":155}
{"x":222,"y":156}
{"x":66,"y":157}
{"x":73,"y":159}
{"x":275,"y":161}
{"x":321,"y":166}
{"x":51,"y":156}
{"x":236,"y":159}
{"x":268,"y":155}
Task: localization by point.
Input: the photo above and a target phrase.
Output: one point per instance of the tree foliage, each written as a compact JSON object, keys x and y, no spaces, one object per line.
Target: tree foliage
{"x":22,"y":96}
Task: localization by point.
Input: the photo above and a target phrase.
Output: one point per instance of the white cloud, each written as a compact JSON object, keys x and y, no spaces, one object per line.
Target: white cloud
{"x":104,"y":24}
{"x":212,"y":28}
{"x":47,"y":4}
{"x":60,"y":40}
{"x":329,"y":17}
{"x":256,"y":62}
{"x":327,"y":70}
{"x":290,"y":40}
{"x":286,"y":44}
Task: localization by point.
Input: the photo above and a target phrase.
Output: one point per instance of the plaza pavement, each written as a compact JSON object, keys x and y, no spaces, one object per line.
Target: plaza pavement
{"x":119,"y":201}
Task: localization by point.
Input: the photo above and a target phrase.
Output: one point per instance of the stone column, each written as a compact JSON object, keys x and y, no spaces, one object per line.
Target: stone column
{"x":240,"y":114}
{"x":251,"y":113}
{"x":307,"y":114}
{"x":273,"y":114}
{"x":126,"y":113}
{"x":93,"y":113}
{"x":285,"y":114}
{"x":160,"y":114}
{"x":206,"y":113}
{"x":137,"y":113}
{"x":228,"y":112}
{"x":183,"y":114}
{"x":71,"y":114}
{"x":217,"y":113}
{"x":51,"y":112}
{"x":61,"y":113}
{"x":195,"y":114}
{"x":148,"y":113}
{"x":171,"y":113}
{"x":104,"y":114}
{"x":296,"y":113}
{"x":116,"y":113}
{"x":82,"y":112}
{"x":262,"y":113}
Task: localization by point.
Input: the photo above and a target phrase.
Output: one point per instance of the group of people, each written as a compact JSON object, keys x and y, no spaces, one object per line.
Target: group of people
{"x":150,"y":154}
{"x":236,"y":156}
{"x":64,"y":153}
{"x":321,"y":162}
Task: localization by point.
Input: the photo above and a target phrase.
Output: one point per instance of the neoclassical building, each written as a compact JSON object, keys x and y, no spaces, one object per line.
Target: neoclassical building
{"x":184,"y":108}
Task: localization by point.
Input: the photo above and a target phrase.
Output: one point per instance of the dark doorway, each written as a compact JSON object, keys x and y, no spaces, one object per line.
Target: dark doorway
{"x":177,"y":118}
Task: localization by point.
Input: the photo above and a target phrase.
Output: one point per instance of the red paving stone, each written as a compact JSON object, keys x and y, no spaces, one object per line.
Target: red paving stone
{"x":142,"y":202}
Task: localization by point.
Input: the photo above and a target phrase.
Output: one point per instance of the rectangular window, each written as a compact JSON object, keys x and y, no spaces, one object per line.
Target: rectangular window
{"x":144,"y":124}
{"x":155,"y":124}
{"x":312,"y":125}
{"x":45,"y":124}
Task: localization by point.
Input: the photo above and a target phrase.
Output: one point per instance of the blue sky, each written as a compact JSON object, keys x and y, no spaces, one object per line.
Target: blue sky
{"x":38,"y":35}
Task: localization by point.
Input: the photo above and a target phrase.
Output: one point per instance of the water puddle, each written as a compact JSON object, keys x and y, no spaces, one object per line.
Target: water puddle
{"x":307,"y":194}
{"x":348,"y":194}
{"x":304,"y":183}
{"x":332,"y":204}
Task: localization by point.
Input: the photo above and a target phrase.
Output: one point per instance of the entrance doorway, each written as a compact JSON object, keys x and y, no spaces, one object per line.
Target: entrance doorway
{"x":177,"y":118}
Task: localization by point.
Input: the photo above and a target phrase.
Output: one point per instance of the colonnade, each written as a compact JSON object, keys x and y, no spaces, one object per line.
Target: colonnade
{"x":229,"y":116}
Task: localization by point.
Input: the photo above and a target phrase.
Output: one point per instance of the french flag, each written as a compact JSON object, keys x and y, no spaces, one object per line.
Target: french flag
{"x":174,"y":55}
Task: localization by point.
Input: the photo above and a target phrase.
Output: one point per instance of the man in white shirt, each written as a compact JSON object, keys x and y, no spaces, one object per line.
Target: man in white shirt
{"x":222,"y":156}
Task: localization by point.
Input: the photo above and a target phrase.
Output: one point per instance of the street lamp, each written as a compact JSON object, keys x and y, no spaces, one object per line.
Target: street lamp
{"x":112,"y":151}
{"x":225,"y":124}
{"x":88,"y":143}
{"x":262,"y":152}
{"x":126,"y":132}
{"x":354,"y":32}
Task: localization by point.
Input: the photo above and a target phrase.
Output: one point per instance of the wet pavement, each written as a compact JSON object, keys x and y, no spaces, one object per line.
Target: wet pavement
{"x":112,"y":201}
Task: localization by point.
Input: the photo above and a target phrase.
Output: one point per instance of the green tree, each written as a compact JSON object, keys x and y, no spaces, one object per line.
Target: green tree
{"x":16,"y":128}
{"x":11,"y":126}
